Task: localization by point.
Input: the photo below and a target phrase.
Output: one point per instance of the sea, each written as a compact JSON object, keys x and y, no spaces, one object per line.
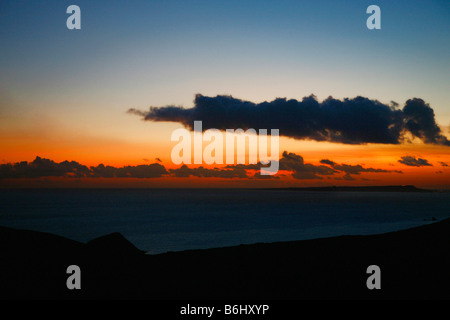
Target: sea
{"x":163,"y":220}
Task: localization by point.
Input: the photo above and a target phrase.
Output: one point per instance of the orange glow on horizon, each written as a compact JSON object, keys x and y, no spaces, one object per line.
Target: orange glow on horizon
{"x":94,"y":150}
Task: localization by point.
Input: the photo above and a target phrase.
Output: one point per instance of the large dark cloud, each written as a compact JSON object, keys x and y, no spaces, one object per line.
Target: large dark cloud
{"x":414,"y":162}
{"x":421,"y":123}
{"x":352,"y":121}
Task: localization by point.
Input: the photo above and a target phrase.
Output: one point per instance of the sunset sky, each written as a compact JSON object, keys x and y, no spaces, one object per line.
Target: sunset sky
{"x":65,"y":95}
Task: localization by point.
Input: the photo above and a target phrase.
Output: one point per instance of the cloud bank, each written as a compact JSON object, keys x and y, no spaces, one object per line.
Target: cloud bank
{"x":41,"y":167}
{"x":306,"y":171}
{"x":353,"y":169}
{"x":350,"y":121}
{"x":291,"y":162}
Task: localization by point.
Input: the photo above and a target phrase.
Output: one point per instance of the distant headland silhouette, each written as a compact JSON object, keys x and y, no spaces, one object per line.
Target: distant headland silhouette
{"x":406,"y":188}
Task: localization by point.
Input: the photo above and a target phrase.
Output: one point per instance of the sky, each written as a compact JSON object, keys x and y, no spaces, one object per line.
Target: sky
{"x":65,"y":95}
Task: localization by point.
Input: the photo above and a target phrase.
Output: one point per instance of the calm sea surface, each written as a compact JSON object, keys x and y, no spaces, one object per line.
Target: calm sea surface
{"x":161,"y":220}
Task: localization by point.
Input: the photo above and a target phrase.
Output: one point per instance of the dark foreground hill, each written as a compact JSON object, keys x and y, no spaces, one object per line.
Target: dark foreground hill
{"x":414,"y":263}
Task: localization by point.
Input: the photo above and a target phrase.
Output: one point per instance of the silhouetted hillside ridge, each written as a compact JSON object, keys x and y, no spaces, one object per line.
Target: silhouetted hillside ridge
{"x":414,"y":264}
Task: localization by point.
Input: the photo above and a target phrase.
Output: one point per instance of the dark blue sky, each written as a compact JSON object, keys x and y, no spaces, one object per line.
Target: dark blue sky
{"x":140,"y":53}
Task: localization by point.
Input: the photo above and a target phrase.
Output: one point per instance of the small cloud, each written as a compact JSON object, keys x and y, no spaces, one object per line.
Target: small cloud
{"x":201,"y":172}
{"x":414,"y":162}
{"x":158,"y":159}
{"x":356,"y":169}
{"x":257,"y":175}
{"x":444,"y":164}
{"x":349,"y":169}
{"x":326,"y":161}
{"x":348,"y":177}
{"x":301,"y":170}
